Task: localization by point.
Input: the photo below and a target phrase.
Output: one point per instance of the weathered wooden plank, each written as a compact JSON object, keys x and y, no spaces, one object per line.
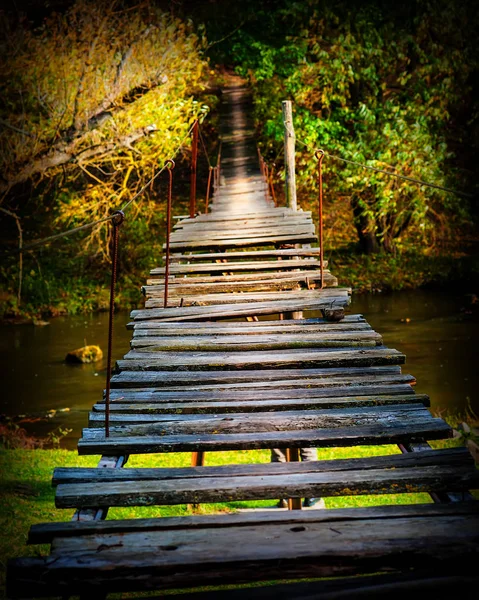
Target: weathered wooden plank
{"x":247,"y":393}
{"x":292,"y":326}
{"x":238,"y":277}
{"x":234,"y":329}
{"x":212,"y":489}
{"x":288,"y":253}
{"x":231,"y":216}
{"x":247,"y":224}
{"x":277,"y":265}
{"x":298,"y":389}
{"x":265,"y":377}
{"x":266,"y":421}
{"x":137,"y":412}
{"x":446,"y":457}
{"x":394,"y":432}
{"x":310,"y":301}
{"x":327,"y":478}
{"x":232,"y":283}
{"x":273,"y":359}
{"x":44,"y":533}
{"x":331,"y":295}
{"x":257,"y":342}
{"x":299,"y":238}
{"x":154,"y":560}
{"x":185,"y":235}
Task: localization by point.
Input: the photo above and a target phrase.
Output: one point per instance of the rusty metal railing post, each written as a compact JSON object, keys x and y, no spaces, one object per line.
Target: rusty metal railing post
{"x":320,"y":155}
{"x":194,"y":160}
{"x":117,"y":219}
{"x":208,"y":186}
{"x":170,"y":165}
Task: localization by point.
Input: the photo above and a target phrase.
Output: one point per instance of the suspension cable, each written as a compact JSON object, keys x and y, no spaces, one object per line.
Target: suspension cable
{"x":390,"y":173}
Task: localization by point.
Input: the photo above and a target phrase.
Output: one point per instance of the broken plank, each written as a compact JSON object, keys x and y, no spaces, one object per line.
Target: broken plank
{"x":332,"y":295}
{"x":187,"y":313}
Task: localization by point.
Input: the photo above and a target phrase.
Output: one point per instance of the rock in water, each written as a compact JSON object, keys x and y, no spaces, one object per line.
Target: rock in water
{"x":87,"y":354}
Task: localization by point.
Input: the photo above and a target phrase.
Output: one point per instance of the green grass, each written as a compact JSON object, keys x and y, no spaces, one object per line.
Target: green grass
{"x":28,"y":497}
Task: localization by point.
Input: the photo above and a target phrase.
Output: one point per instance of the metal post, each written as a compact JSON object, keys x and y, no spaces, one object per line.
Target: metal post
{"x":208,"y":187}
{"x":117,"y":219}
{"x":170,"y":165}
{"x":194,"y":160}
{"x":289,"y":155}
{"x":320,"y":156}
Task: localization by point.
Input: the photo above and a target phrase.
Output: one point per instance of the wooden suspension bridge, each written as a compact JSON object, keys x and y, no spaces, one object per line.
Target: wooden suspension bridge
{"x":234,"y":362}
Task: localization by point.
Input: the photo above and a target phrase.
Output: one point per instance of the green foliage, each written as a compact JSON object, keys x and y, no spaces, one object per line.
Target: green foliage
{"x":388,"y":87}
{"x":86,"y":84}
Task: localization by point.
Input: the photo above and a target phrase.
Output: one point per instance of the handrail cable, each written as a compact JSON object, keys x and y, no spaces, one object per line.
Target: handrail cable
{"x":390,"y":173}
{"x":57,"y":236}
{"x":203,"y":145}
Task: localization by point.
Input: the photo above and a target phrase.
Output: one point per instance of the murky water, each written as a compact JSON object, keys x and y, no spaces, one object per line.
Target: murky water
{"x":438,"y":333}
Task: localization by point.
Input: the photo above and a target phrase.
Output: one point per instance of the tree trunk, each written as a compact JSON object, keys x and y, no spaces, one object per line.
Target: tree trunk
{"x":364,"y":227}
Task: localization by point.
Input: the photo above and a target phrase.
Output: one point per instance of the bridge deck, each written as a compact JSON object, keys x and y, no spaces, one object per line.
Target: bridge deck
{"x":199,"y":377}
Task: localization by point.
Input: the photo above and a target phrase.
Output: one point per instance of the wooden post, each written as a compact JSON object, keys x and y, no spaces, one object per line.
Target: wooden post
{"x":194,"y":159}
{"x":292,"y":455}
{"x":289,"y":160}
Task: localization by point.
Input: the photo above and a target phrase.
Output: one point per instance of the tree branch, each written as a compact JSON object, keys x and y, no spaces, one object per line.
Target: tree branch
{"x":68,"y":154}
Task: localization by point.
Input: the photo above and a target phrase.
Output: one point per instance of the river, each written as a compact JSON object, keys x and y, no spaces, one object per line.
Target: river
{"x":438,"y":332}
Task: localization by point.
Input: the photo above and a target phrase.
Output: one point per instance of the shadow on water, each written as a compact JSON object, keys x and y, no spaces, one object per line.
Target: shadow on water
{"x":438,"y":333}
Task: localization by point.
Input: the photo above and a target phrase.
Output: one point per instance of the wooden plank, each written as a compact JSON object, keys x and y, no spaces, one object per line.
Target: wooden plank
{"x":233,"y":278}
{"x":272,"y":359}
{"x":394,"y":432}
{"x":154,"y":560}
{"x":277,"y":391}
{"x":286,"y":253}
{"x":227,"y":216}
{"x":330,"y":295}
{"x":247,"y":224}
{"x":44,"y":533}
{"x":185,"y":235}
{"x":277,"y":239}
{"x":151,"y":329}
{"x":165,"y":379}
{"x":257,"y":342}
{"x":233,"y":283}
{"x":85,"y":475}
{"x":215,"y":489}
{"x":128,"y":412}
{"x":267,"y":421}
{"x":250,"y":326}
{"x":309,"y":301}
{"x":322,"y":479}
{"x":277,"y":265}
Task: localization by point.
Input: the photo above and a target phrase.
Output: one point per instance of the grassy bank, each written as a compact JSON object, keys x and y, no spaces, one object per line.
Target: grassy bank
{"x":28,"y":496}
